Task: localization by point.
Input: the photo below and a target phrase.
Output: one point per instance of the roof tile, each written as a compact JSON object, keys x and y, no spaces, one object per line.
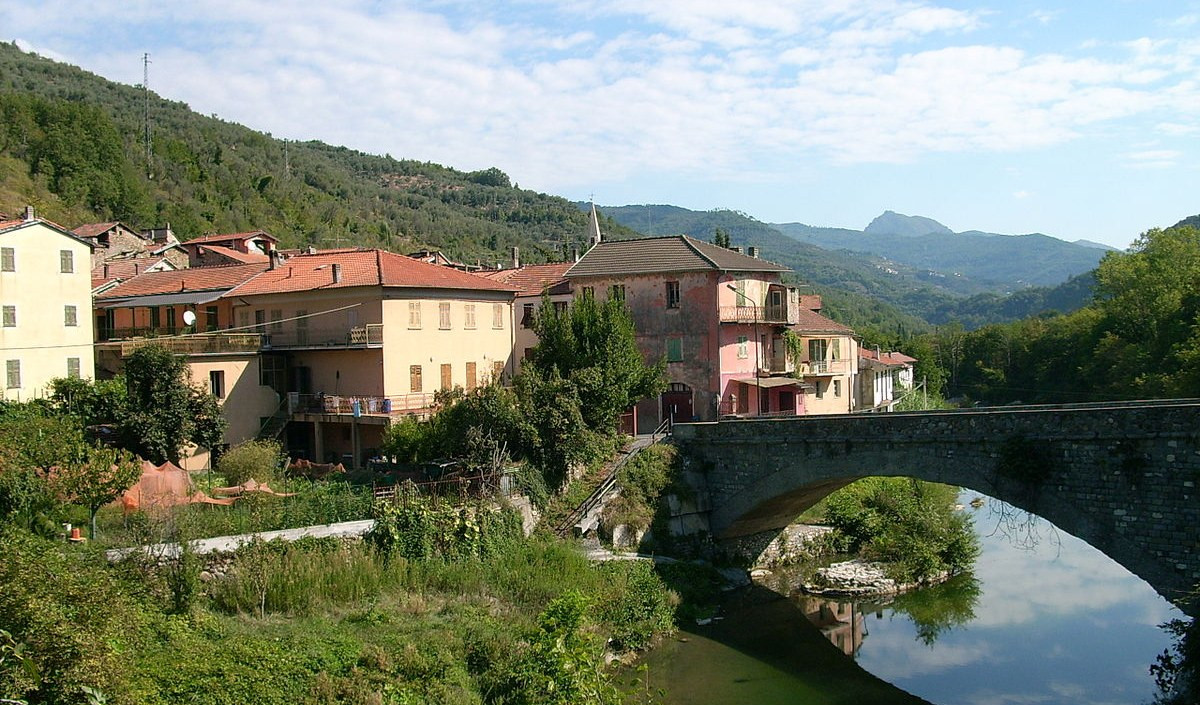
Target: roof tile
{"x":194,"y":279}
{"x":676,"y":253}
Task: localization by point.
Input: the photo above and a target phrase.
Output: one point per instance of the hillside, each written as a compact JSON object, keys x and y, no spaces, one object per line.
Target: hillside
{"x":71,"y":144}
{"x":1002,"y":263}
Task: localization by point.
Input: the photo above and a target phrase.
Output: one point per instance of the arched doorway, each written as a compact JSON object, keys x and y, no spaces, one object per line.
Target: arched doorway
{"x":677,"y":402}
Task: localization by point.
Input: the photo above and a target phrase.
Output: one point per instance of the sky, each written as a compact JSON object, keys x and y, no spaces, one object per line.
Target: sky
{"x":1080,"y":120}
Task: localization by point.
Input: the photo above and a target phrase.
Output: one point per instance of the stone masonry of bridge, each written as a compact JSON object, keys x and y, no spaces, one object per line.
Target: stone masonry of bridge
{"x":1120,"y":476}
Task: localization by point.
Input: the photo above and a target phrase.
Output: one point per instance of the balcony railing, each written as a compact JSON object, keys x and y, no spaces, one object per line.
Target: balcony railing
{"x":778,"y":364}
{"x":365,"y":336}
{"x":193,"y":344}
{"x":359,"y":405}
{"x":752,"y":314}
{"x":824,"y":367}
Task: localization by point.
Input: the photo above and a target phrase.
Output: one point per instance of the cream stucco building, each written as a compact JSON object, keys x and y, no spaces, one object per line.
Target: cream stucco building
{"x":45,"y":300}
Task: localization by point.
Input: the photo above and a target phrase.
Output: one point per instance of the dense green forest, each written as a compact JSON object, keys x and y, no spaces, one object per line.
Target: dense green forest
{"x":1139,"y":338}
{"x":72,"y":144}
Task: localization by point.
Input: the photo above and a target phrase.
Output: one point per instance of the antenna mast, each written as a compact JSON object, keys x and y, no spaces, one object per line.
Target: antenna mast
{"x":146,"y":110}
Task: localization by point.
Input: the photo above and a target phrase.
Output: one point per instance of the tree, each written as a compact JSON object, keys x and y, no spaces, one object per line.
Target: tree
{"x":720,"y":237}
{"x":163,"y":411}
{"x":593,"y":347}
{"x":100,"y":479}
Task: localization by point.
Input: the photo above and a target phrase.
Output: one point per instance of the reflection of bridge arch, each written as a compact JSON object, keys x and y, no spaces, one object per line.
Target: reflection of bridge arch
{"x":1120,"y":476}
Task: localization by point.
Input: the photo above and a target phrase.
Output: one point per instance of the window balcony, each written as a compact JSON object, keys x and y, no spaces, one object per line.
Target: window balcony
{"x":777,"y":314}
{"x":360,"y":405}
{"x":125,"y":341}
{"x":345,"y":337}
{"x":824,"y":367}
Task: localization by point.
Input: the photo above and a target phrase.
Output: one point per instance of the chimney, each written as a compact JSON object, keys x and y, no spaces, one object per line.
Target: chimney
{"x":753,"y":252}
{"x":135,"y":269}
{"x":28,"y":213}
{"x":272,"y":261}
{"x":575,"y":254}
{"x":106,"y":270}
{"x":516,"y":257}
{"x":337,"y":272}
{"x":737,"y":249}
{"x":310,"y":250}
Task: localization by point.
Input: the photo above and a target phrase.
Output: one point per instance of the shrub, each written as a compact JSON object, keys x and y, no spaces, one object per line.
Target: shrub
{"x":637,"y":605}
{"x":258,"y":460}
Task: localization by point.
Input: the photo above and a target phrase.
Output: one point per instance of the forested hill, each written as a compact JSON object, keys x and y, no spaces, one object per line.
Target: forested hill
{"x":71,"y":144}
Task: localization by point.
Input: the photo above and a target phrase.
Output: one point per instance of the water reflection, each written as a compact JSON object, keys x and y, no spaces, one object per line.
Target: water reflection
{"x":841,"y":623}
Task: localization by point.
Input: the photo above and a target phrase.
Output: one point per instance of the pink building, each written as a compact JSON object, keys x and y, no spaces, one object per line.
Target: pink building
{"x":718,"y":317}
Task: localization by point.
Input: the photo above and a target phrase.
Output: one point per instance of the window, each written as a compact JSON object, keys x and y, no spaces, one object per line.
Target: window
{"x":210,"y":318}
{"x":527,"y":316}
{"x":837,"y":387}
{"x":817,"y":349}
{"x":617,"y":292}
{"x":171,"y":319}
{"x":260,"y":318}
{"x":13,"y":374}
{"x":444,"y":315}
{"x":302,"y":326}
{"x":446,"y":380}
{"x":70,"y":316}
{"x":272,"y":372}
{"x":244,"y":319}
{"x":820,"y":390}
{"x":155,"y":318}
{"x":414,"y":314}
{"x":497,"y":370}
{"x":276,"y":319}
{"x":8,"y":259}
{"x":414,"y":378}
{"x":589,"y":292}
{"x":10,"y":316}
{"x":560,"y":307}
{"x":836,"y":352}
{"x":216,"y":383}
{"x":73,"y":367}
{"x":674,"y":349}
{"x":672,"y":294}
{"x":470,"y":376}
{"x":743,"y":347}
{"x":469,"y":316}
{"x":66,"y":261}
{"x":497,"y":316}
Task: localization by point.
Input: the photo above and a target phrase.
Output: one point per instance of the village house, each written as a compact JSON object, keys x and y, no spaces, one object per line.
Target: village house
{"x":718,"y":318}
{"x":363,"y":337}
{"x":533,"y":282}
{"x":45,"y":304}
{"x":883,"y":378}
{"x":114,"y":241}
{"x":237,"y":248}
{"x":184,"y":311}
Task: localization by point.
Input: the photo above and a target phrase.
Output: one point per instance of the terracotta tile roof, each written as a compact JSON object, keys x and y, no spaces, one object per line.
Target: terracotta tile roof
{"x":243,"y":257}
{"x":123,"y":269}
{"x":887,"y":358}
{"x":677,"y":253}
{"x":6,"y":224}
{"x":532,"y":279}
{"x":94,"y":229}
{"x":196,"y":279}
{"x":233,"y":236}
{"x":813,"y":322}
{"x":356,"y":267}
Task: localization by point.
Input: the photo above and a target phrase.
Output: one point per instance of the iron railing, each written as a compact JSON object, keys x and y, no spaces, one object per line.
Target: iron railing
{"x":364,"y":336}
{"x":755,"y":314}
{"x":194,"y":343}
{"x":359,"y":404}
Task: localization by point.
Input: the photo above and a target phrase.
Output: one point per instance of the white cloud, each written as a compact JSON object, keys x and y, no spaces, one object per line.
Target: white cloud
{"x":1021,"y":195}
{"x":1153,"y":159}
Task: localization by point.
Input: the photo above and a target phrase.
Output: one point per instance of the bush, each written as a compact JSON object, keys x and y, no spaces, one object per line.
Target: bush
{"x":637,"y":607}
{"x":258,"y":460}
{"x":908,"y":524}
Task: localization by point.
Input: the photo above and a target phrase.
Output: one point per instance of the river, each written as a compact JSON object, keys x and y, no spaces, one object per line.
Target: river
{"x":1044,"y":618}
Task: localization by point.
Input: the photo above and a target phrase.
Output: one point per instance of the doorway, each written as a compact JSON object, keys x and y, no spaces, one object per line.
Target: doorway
{"x":677,"y":403}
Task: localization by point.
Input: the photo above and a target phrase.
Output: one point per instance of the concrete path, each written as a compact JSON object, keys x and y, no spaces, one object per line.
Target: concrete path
{"x":228,"y":544}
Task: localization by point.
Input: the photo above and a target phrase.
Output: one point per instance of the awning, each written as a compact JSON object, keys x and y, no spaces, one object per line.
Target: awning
{"x":772,"y":382}
{"x":181,"y":298}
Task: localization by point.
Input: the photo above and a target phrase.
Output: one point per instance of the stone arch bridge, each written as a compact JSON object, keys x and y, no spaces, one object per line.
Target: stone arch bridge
{"x":1121,"y":476}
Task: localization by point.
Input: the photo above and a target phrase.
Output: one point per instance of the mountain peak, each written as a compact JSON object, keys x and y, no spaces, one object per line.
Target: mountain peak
{"x":892,"y":223}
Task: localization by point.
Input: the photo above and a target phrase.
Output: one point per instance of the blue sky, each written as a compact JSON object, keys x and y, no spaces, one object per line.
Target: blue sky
{"x":1079,"y":120}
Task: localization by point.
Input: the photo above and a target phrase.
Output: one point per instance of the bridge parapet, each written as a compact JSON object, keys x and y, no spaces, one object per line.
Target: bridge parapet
{"x":1121,"y":476}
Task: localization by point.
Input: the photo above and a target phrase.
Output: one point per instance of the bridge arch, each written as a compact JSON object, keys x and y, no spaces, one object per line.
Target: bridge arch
{"x":1119,"y":476}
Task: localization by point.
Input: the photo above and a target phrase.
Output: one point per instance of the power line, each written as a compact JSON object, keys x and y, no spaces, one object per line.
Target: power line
{"x":180,"y":336}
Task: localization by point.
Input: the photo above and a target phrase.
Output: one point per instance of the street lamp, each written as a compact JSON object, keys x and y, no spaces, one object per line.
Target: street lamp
{"x":757,"y":349}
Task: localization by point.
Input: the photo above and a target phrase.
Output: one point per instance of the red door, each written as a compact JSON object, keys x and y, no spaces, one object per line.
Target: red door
{"x":677,"y":403}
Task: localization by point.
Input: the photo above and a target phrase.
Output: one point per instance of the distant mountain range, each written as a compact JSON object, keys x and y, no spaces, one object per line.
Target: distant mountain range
{"x":900,"y":265}
{"x":1003,"y":263}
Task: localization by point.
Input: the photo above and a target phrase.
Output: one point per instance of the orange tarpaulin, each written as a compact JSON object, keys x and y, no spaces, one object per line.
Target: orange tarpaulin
{"x":159,"y":486}
{"x":201,"y":498}
{"x":250,"y":485}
